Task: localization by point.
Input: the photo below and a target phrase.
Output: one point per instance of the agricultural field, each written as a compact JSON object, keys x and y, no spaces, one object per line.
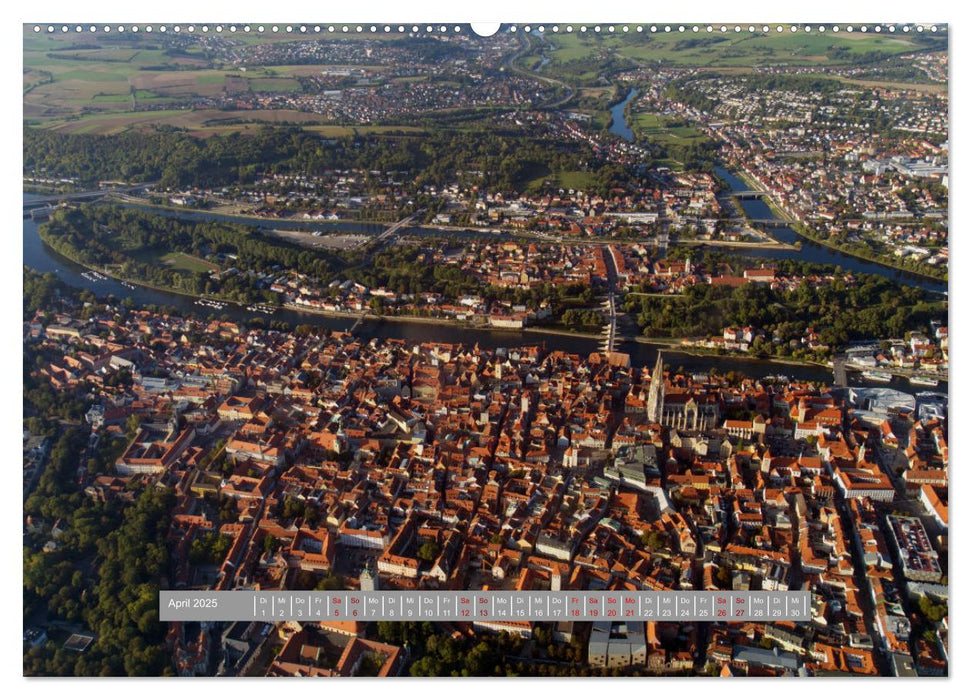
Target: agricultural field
{"x":745,"y":49}
{"x":71,"y":79}
{"x":274,"y":85}
{"x":410,"y":79}
{"x":200,"y":122}
{"x":106,"y":84}
{"x":99,"y":90}
{"x":741,"y":49}
{"x":281,"y":37}
{"x":74,"y":75}
{"x":203,"y":123}
{"x":928,"y":88}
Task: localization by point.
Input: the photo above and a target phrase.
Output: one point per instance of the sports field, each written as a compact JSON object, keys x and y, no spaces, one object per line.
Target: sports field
{"x":660,"y":130}
{"x":187,"y":263}
{"x":181,"y":262}
{"x":567,"y":179}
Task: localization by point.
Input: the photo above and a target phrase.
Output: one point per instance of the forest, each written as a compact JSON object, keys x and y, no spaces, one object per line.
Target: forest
{"x":103,"y":571}
{"x":132,"y":244}
{"x":103,"y":575}
{"x":872,"y":308}
{"x":175,"y":160}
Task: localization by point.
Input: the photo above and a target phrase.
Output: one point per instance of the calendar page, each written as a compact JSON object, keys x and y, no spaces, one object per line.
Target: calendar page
{"x":386,"y":349}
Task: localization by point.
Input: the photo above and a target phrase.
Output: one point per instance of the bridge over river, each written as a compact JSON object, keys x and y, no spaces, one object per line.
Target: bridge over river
{"x":52,"y":200}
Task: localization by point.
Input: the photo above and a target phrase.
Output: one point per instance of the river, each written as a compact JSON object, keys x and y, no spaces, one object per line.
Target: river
{"x":814,"y":252}
{"x":618,"y":120}
{"x":40,"y":257}
{"x":757,"y":209}
{"x":544,"y":59}
{"x":270,"y":226}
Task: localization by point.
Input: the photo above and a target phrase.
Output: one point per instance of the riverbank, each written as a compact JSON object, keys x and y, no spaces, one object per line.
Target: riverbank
{"x":327,"y":313}
{"x":899,"y":372}
{"x":140,"y":283}
{"x":265,"y":222}
{"x":353,"y":315}
{"x":42,"y":258}
{"x":350,"y":315}
{"x":371,"y":316}
{"x":437,"y":321}
{"x":620,"y":103}
{"x":677,"y":345}
{"x":281,"y":230}
{"x":741,"y":245}
{"x":886,"y":261}
{"x":802,"y":229}
{"x":673,"y":344}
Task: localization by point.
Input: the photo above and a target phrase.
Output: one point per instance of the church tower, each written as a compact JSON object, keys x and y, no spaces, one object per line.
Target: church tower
{"x":369,"y":582}
{"x":655,"y":398}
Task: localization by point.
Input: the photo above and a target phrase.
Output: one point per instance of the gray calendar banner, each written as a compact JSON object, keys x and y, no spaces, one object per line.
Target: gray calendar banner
{"x":483,"y":606}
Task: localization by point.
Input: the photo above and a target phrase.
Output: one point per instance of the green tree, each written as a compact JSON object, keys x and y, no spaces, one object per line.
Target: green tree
{"x":429,"y":551}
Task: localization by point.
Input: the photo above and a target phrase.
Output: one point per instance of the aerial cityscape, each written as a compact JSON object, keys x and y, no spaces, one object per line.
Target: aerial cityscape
{"x":566,"y":308}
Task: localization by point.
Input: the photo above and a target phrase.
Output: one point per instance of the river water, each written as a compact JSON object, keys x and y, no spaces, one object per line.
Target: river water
{"x":618,"y":120}
{"x":544,"y":59}
{"x":38,"y":256}
{"x":755,"y":208}
{"x":815,"y":253}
